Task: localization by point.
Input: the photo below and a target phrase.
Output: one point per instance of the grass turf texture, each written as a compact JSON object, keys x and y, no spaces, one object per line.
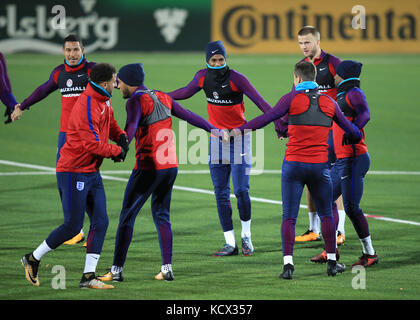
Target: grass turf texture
{"x":30,"y":206}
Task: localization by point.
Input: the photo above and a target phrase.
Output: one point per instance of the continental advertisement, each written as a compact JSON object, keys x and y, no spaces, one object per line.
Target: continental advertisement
{"x":271,"y":26}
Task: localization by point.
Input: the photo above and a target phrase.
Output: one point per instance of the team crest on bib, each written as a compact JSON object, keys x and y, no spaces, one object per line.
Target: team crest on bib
{"x":80,"y":185}
{"x":215,"y":95}
{"x":69,"y":83}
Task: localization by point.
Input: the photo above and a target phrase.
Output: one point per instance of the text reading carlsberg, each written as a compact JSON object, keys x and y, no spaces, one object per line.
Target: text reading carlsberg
{"x":210,"y":310}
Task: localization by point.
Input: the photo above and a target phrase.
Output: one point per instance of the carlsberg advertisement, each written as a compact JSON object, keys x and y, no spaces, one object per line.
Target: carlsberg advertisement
{"x":126,"y":25}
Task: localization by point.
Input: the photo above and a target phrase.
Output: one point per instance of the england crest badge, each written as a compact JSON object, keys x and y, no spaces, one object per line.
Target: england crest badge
{"x":80,"y":185}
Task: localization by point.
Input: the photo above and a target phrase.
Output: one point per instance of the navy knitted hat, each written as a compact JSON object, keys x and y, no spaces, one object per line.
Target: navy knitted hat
{"x":215,"y":47}
{"x":349,"y":69}
{"x":132,"y":74}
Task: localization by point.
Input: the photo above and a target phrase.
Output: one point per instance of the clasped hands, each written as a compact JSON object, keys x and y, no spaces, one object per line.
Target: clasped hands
{"x":227,"y":136}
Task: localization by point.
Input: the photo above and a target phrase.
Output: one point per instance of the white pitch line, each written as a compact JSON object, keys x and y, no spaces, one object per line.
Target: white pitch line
{"x":180,"y":171}
{"x":27,"y":173}
{"x":50,"y":170}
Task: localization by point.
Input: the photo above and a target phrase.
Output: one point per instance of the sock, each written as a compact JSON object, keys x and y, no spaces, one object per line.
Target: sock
{"x":342,"y":215}
{"x":288,"y":260}
{"x":166,"y":268}
{"x":116,"y":269}
{"x":42,"y":250}
{"x":331,"y":256}
{"x":288,"y":235}
{"x":367,"y":246}
{"x":311,"y":219}
{"x":246,"y":229}
{"x":230,"y":238}
{"x":328,"y":233}
{"x":316,"y":224}
{"x":336,"y":216}
{"x":91,"y":262}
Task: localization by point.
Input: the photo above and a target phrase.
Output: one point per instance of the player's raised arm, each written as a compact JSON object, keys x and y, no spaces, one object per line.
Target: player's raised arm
{"x":39,"y":93}
{"x":191,"y":117}
{"x":195,"y":85}
{"x":242,"y":83}
{"x":280,"y":109}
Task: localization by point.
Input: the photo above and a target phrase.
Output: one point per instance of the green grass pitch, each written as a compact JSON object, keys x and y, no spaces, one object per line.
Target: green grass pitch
{"x":30,"y":206}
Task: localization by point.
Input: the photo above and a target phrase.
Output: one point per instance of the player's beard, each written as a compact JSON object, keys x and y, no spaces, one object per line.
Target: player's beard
{"x":125,"y":93}
{"x":312,"y":54}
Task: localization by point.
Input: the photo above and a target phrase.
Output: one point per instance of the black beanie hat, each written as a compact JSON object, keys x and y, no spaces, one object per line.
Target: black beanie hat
{"x":132,"y":74}
{"x":215,"y":47}
{"x":349,"y":69}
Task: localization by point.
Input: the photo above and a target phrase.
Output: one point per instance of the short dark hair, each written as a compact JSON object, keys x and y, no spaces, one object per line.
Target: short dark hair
{"x":305,"y":70}
{"x":310,"y":30}
{"x":72,"y":38}
{"x":102,"y":72}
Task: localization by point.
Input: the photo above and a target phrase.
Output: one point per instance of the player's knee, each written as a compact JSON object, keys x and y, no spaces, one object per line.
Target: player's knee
{"x":242,"y":194}
{"x":161,"y":218}
{"x":352,"y":209}
{"x":73,"y":230}
{"x":222,"y":194}
{"x":103,"y":223}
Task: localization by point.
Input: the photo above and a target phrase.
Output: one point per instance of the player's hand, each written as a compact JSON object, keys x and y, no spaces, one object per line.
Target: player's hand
{"x":123,"y":142}
{"x":7,"y":114}
{"x":281,"y":128}
{"x":17,"y":113}
{"x":349,"y":139}
{"x":121,"y":156}
{"x":222,"y":134}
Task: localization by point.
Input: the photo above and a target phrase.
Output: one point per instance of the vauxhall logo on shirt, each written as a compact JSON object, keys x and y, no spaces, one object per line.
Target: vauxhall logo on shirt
{"x":217,"y":101}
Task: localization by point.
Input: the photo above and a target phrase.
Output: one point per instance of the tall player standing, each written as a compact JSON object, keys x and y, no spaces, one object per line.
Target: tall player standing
{"x":309,"y":40}
{"x":353,"y":160}
{"x":224,"y":89}
{"x":71,"y":79}
{"x":306,"y":160}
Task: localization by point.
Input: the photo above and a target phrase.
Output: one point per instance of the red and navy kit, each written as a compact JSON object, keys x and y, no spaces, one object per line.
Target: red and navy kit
{"x":310,"y":118}
{"x":307,"y":141}
{"x":224,"y":96}
{"x":149,"y":120}
{"x":353,"y":161}
{"x":90,"y":126}
{"x":224,"y":89}
{"x":71,"y":81}
{"x":325,"y":65}
{"x":89,"y":129}
{"x":353,"y":104}
{"x":155,"y":148}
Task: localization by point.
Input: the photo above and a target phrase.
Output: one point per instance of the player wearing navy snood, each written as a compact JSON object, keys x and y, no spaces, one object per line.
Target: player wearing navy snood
{"x":224,"y":89}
